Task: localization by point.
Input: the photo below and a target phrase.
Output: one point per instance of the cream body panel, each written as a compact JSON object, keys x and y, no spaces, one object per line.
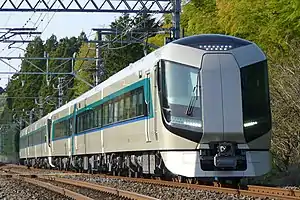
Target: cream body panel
{"x":59,"y":147}
{"x":80,"y":147}
{"x":93,"y":142}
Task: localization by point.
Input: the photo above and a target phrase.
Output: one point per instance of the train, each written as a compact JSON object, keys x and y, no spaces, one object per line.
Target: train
{"x":197,"y":107}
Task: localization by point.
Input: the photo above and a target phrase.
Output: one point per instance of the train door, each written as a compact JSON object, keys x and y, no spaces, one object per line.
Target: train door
{"x":42,"y":141}
{"x":73,"y":129}
{"x":49,"y":129}
{"x":148,"y":124}
{"x":221,"y":99}
{"x":27,"y":146}
{"x":45,"y":142}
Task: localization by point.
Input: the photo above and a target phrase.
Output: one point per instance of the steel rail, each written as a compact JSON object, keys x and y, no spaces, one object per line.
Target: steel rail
{"x":97,"y":187}
{"x":54,"y":188}
{"x":65,"y":192}
{"x":114,"y":191}
{"x":249,"y":190}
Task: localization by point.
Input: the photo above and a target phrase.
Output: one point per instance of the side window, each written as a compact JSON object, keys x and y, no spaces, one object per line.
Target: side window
{"x":105,"y":114}
{"x":77,"y":124}
{"x":70,"y":126}
{"x":91,"y":119}
{"x":95,"y":121}
{"x":116,"y":110}
{"x":88,"y":120}
{"x":99,"y":116}
{"x":121,"y":108}
{"x":127,"y":107}
{"x":65,"y":126}
{"x":81,"y":123}
{"x":134,"y":103}
{"x":111,"y":112}
{"x":140,"y":102}
{"x":85,"y":121}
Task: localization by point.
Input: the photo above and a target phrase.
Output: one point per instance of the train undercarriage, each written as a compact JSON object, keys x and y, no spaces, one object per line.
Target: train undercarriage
{"x":139,"y":165}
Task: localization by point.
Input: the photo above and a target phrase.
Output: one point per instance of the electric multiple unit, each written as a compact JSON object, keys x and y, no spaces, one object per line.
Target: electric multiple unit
{"x":196,"y":107}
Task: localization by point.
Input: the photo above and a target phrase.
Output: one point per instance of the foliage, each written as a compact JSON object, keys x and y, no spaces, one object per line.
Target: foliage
{"x":24,"y":87}
{"x":115,"y":54}
{"x":84,"y":69}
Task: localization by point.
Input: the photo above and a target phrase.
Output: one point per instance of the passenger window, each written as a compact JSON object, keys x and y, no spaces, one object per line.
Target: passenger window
{"x":99,"y":118}
{"x":140,"y":104}
{"x":127,"y":107}
{"x":105,"y":114}
{"x":95,"y":121}
{"x":111,"y":113}
{"x":116,"y":110}
{"x":121,"y":109}
{"x":134,"y":104}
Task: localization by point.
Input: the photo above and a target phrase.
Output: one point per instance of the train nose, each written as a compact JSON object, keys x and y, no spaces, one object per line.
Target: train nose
{"x":222,"y":99}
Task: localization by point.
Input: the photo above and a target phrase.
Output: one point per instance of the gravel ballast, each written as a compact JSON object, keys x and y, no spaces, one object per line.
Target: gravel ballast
{"x":160,"y":192}
{"x":13,"y":189}
{"x":94,"y":194}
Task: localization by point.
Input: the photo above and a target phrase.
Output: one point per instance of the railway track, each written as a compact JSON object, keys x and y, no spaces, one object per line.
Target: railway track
{"x":248,"y":191}
{"x":78,"y":190}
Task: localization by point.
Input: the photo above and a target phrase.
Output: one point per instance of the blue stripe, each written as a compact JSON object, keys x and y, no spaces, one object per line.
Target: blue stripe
{"x":115,"y":94}
{"x":147,"y":95}
{"x":106,"y":127}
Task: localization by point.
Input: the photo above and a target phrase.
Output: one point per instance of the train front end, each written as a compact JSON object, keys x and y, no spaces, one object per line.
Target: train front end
{"x":214,"y":93}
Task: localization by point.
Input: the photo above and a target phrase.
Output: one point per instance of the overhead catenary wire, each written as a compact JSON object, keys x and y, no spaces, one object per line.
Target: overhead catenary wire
{"x":34,"y":24}
{"x":125,"y":31}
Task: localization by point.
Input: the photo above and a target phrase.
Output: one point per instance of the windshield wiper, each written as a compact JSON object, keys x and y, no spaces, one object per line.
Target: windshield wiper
{"x":194,"y":97}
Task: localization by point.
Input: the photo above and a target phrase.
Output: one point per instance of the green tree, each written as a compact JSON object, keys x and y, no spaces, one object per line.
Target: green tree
{"x":27,"y":85}
{"x":115,"y":55}
{"x":84,"y":69}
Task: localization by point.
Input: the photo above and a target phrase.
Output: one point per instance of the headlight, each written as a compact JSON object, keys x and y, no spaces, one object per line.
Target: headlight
{"x":247,"y":124}
{"x":186,"y":121}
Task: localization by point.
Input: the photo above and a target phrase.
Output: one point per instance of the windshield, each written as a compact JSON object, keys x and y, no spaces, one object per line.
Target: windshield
{"x":181,"y":92}
{"x":256,"y":103}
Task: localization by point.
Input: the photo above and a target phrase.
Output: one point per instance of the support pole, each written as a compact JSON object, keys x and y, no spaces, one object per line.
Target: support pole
{"x":31,"y":116}
{"x":46,"y":55}
{"x":176,"y":19}
{"x":41,"y":107}
{"x":60,"y":91}
{"x":98,"y":58}
{"x":21,"y":123}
